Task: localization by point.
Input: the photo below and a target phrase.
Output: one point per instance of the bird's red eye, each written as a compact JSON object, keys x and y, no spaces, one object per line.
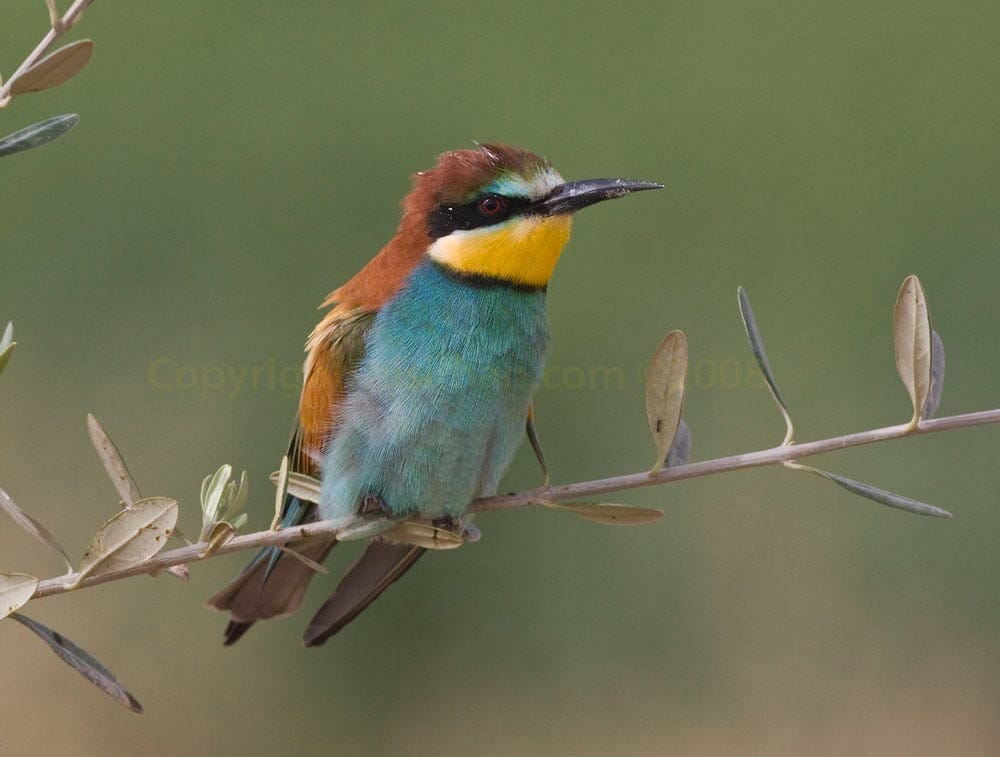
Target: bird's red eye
{"x":492,"y":205}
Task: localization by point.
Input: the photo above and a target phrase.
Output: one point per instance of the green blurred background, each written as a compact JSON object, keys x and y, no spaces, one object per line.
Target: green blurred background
{"x":236,"y":161}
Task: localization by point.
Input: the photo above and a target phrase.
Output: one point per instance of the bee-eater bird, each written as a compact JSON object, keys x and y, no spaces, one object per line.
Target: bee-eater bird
{"x":419,"y":381}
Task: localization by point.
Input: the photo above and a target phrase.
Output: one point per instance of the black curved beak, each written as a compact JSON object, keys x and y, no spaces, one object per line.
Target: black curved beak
{"x":575,"y":195}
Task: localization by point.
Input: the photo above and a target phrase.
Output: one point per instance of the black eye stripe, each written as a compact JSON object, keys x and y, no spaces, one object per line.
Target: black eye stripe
{"x":448,"y":218}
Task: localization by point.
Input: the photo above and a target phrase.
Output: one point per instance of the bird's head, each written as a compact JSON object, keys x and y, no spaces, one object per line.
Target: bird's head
{"x":501,"y":213}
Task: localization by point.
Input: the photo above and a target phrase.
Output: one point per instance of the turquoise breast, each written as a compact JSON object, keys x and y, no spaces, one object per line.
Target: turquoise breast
{"x":438,"y":405}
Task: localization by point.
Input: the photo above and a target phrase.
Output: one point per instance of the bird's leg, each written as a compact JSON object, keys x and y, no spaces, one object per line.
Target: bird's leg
{"x":447,"y":523}
{"x":374,"y":503}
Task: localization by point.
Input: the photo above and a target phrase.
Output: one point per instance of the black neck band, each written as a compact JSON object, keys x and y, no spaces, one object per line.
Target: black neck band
{"x":479,"y":281}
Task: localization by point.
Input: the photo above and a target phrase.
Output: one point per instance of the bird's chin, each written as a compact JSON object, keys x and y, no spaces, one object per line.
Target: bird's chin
{"x":523,"y":251}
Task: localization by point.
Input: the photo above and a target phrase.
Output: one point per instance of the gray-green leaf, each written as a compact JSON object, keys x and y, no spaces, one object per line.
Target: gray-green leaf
{"x":32,"y":526}
{"x":911,"y":329}
{"x":365,"y":527}
{"x":757,"y":346}
{"x":299,"y":485}
{"x":609,"y":515}
{"x":536,"y":445}
{"x":665,"y":393}
{"x":131,"y":537}
{"x":15,"y":591}
{"x":882,"y":496}
{"x":680,"y":450}
{"x":81,"y":662}
{"x":38,"y":134}
{"x":423,"y":535}
{"x":891,"y":499}
{"x":54,"y":69}
{"x":280,"y":492}
{"x":221,"y":500}
{"x":937,"y":376}
{"x":113,"y":462}
{"x":7,"y":345}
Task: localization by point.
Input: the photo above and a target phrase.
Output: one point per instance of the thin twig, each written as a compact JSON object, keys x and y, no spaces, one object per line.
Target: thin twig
{"x":534,"y":497}
{"x":772,"y":456}
{"x":57,"y":30}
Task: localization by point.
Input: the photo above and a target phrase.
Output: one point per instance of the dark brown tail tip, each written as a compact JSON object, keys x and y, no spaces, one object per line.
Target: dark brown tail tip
{"x":234,"y":632}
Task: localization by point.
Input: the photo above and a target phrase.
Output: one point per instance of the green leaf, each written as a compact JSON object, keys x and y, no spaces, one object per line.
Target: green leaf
{"x":757,"y":346}
{"x":81,"y":662}
{"x":280,"y":492}
{"x":680,"y":450}
{"x":7,"y":345}
{"x":536,"y":444}
{"x":937,"y":376}
{"x":113,"y":462}
{"x":424,"y":535}
{"x":314,"y":566}
{"x":221,"y":500}
{"x":38,"y":134}
{"x":54,"y":69}
{"x":365,"y":527}
{"x":218,"y":534}
{"x":609,"y":515}
{"x":665,"y":393}
{"x":32,"y":526}
{"x":911,"y":329}
{"x":299,"y":485}
{"x":882,"y":496}
{"x":15,"y":591}
{"x":130,"y":538}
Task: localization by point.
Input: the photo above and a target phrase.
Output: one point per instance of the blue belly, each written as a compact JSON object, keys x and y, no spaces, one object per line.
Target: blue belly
{"x":437,"y":408}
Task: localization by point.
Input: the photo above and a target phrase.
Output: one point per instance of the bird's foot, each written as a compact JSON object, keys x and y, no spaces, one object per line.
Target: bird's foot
{"x":447,"y":523}
{"x":373,"y":503}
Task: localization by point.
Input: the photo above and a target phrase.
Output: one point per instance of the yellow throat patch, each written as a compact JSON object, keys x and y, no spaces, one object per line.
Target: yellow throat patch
{"x":524,"y":250}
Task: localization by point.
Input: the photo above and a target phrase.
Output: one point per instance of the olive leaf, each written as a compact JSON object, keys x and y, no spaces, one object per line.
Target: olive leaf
{"x":424,"y":535}
{"x":219,"y":534}
{"x":279,"y":494}
{"x":81,"y":662}
{"x":665,"y":393}
{"x":15,"y":591}
{"x":55,"y":68}
{"x":911,"y":329}
{"x":32,"y":526}
{"x":38,"y":134}
{"x":757,"y":347}
{"x":536,"y":444}
{"x":607,"y":514}
{"x":307,"y":561}
{"x":882,"y":496}
{"x":7,"y":345}
{"x":125,"y":484}
{"x":221,"y":503}
{"x":365,"y":527}
{"x":680,"y":450}
{"x":299,"y":485}
{"x":937,"y":377}
{"x":113,"y":462}
{"x":131,"y":537}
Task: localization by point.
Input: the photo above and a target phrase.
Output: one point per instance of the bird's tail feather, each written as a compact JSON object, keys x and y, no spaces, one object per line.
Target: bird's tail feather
{"x":273,"y":584}
{"x":379,"y":566}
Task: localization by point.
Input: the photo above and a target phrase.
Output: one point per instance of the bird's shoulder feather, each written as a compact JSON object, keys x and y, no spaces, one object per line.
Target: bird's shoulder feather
{"x":334,"y":349}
